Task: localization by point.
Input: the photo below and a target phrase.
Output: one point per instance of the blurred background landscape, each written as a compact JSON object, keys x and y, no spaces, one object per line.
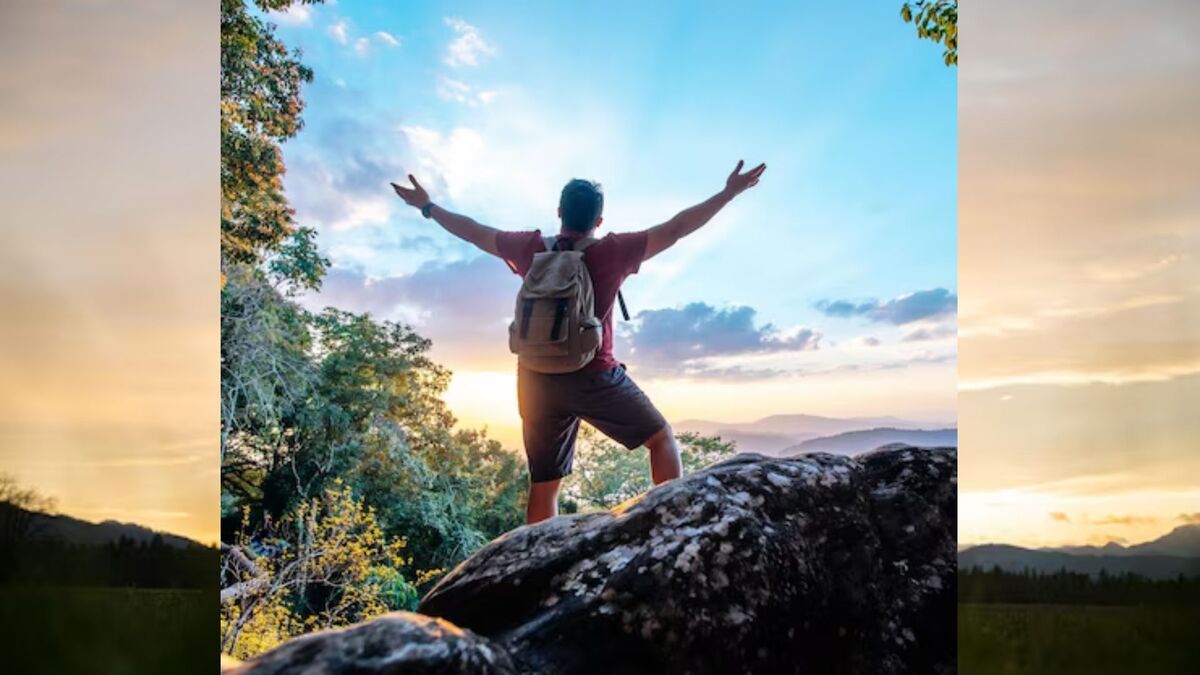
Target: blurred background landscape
{"x":1079,"y":338}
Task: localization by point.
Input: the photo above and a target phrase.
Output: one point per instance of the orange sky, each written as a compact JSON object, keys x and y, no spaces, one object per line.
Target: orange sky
{"x":109,"y":180}
{"x":1079,"y":244}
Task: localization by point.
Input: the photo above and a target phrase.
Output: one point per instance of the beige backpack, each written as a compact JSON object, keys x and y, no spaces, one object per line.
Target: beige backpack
{"x":555,"y":328}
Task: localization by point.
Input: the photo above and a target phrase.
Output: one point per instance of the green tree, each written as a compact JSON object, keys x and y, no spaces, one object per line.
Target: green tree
{"x":260,"y":108}
{"x":314,"y":404}
{"x":18,"y":508}
{"x":935,"y":20}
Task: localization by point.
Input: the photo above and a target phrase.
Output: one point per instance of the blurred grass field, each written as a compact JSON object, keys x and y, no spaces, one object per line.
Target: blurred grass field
{"x":996,"y":639}
{"x":108,"y":631}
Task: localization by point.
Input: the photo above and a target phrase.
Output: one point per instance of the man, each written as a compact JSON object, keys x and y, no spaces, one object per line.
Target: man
{"x":601,"y":393}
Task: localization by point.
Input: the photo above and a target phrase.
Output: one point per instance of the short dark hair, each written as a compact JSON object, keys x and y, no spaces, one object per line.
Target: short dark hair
{"x":581,"y":203}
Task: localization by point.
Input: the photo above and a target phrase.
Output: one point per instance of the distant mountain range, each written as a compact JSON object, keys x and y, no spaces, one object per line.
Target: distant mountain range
{"x":76,"y":531}
{"x":778,"y":435}
{"x":1182,"y":541}
{"x":1175,"y":553}
{"x":855,"y":442}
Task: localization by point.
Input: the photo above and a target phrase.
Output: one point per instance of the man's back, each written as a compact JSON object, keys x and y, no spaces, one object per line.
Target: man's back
{"x":609,"y":261}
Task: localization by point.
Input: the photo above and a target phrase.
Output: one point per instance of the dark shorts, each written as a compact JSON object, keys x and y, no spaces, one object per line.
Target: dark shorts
{"x":552,"y":405}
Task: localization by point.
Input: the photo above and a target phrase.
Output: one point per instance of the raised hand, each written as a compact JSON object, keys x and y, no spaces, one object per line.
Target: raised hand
{"x":413,"y":196}
{"x":739,"y":182}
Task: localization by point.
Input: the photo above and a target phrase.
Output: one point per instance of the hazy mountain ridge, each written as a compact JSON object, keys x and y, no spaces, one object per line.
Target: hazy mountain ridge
{"x":865,"y":440}
{"x":1173,"y":554}
{"x":76,"y":531}
{"x":774,"y":434}
{"x":1182,"y":541}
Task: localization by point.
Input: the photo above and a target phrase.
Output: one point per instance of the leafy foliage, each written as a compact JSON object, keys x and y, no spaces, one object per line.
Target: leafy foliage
{"x":328,"y":564}
{"x":260,"y":108}
{"x":310,"y":398}
{"x":936,"y":20}
{"x":606,"y":474}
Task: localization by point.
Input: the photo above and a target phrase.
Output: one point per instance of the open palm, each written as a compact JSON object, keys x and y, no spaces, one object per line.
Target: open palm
{"x":413,"y":196}
{"x":738,"y":182}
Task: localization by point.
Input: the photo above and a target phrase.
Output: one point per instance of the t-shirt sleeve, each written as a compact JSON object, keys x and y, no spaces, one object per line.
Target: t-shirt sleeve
{"x":631,"y":248}
{"x":517,"y":249}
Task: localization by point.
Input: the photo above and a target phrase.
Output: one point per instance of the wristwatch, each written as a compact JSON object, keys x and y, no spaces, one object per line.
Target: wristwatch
{"x":427,"y":209}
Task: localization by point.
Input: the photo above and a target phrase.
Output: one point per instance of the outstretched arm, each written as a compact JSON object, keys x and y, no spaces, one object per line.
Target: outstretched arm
{"x":661,"y":237}
{"x":458,"y":225}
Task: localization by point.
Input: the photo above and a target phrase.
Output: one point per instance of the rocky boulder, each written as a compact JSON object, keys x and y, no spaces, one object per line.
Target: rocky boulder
{"x":810,"y":564}
{"x":400,"y":642}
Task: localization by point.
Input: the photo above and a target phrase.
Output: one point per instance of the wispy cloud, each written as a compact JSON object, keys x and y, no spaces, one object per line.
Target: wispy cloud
{"x":451,"y":89}
{"x":137,"y":516}
{"x":469,"y":47}
{"x":934,"y":332}
{"x":1125,"y":520}
{"x":1060,"y":517}
{"x":463,"y":306}
{"x":934,"y":303}
{"x":119,"y":462}
{"x":699,"y":330}
{"x":340,"y":31}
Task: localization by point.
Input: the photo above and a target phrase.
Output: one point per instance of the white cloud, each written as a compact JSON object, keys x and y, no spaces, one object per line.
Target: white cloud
{"x":468,"y":47}
{"x":387,"y":38}
{"x":295,"y":14}
{"x":339,"y":31}
{"x":451,"y":89}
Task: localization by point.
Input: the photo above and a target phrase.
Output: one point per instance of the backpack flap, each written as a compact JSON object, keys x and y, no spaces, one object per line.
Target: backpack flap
{"x":554,"y":328}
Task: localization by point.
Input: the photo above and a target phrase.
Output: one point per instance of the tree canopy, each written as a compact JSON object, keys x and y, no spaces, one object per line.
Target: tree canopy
{"x":260,"y":108}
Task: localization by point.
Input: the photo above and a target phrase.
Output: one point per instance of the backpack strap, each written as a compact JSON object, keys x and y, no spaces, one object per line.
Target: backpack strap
{"x":560,"y":313}
{"x":526,"y":313}
{"x":580,"y":245}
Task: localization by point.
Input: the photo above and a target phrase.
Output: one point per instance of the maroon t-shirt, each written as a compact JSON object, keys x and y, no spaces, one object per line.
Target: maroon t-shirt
{"x":611,"y":259}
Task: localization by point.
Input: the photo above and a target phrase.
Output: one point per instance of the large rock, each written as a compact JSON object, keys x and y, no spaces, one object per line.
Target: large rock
{"x":810,"y":564}
{"x":400,"y":642}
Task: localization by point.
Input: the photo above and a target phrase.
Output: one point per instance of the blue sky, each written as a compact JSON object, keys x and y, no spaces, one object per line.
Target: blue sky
{"x":495,"y":108}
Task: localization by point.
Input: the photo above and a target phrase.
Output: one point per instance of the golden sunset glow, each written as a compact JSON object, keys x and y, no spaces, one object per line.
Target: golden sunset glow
{"x":489,"y":398}
{"x":1079,"y":265}
{"x":108,"y":346}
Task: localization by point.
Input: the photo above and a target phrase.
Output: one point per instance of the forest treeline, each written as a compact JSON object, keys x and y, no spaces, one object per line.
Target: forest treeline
{"x":1071,"y":588}
{"x":123,"y":563}
{"x":32,"y":554}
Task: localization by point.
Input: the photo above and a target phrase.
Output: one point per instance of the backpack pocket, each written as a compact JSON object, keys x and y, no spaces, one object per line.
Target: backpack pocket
{"x":542,"y":327}
{"x":591,"y":333}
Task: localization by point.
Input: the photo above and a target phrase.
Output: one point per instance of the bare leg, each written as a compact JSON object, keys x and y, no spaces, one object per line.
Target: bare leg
{"x":665,"y":464}
{"x":543,"y":501}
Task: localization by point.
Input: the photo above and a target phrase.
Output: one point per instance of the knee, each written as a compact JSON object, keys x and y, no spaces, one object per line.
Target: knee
{"x":661,"y":438}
